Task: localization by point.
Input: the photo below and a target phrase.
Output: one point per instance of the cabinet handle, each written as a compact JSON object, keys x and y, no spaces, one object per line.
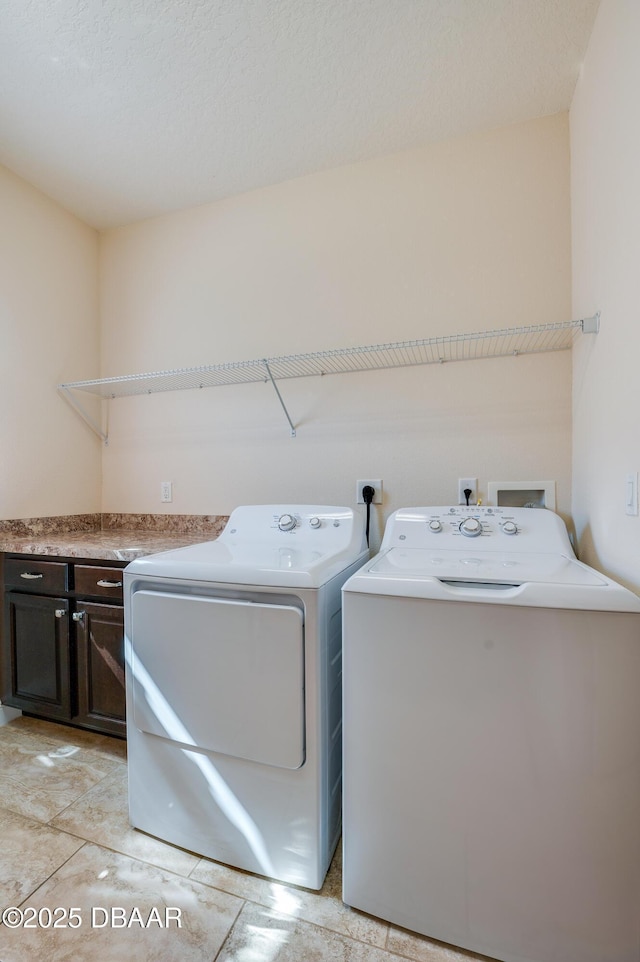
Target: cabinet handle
{"x":31,"y":575}
{"x":60,"y":612}
{"x":78,"y":615}
{"x":108,"y":584}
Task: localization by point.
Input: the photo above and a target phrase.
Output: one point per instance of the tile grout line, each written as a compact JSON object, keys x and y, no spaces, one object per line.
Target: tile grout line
{"x":231,"y":928}
{"x":49,"y":877}
{"x":297,"y":918}
{"x":323,"y":928}
{"x":74,"y":802}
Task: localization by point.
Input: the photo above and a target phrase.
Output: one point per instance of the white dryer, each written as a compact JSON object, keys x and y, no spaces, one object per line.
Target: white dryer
{"x":234,"y":668}
{"x":492,"y":739}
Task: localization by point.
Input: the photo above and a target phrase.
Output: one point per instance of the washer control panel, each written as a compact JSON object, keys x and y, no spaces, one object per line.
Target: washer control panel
{"x":492,"y":529}
{"x":474,"y":521}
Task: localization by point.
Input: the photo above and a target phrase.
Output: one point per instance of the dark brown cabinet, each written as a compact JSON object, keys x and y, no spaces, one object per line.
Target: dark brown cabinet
{"x":99,"y":649}
{"x":63,"y":641}
{"x":37,"y":630}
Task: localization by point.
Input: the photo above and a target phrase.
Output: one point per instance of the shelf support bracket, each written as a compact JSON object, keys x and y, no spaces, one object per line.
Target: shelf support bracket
{"x":75,"y":404}
{"x":275,"y":388}
{"x":591,"y":325}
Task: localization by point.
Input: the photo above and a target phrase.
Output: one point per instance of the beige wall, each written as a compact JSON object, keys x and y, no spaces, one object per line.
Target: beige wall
{"x":50,"y":461}
{"x":605,"y":150}
{"x":467,"y":235}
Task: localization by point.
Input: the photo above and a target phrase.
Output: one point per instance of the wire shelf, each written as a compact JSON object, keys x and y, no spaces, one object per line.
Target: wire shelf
{"x":534,"y":339}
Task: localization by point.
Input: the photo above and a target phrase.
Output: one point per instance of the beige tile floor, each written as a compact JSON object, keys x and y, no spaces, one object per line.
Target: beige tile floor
{"x":66,"y":843}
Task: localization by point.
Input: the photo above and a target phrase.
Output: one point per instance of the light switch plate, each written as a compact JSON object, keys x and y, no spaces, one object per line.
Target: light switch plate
{"x":631,"y":493}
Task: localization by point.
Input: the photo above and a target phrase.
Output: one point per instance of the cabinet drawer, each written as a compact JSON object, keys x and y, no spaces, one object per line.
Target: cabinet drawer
{"x":31,"y":575}
{"x":98,"y":582}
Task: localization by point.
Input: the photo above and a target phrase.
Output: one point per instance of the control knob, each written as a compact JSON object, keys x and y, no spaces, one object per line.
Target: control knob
{"x":314,"y":522}
{"x":471,"y":527}
{"x":286,"y":522}
{"x":435,"y":525}
{"x":510,"y":527}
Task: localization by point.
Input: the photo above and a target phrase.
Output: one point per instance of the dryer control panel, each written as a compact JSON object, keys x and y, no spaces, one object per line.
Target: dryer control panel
{"x":324,"y":528}
{"x":490,"y":528}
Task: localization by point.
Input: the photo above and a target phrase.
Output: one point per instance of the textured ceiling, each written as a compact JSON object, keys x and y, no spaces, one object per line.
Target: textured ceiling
{"x":124,"y":109}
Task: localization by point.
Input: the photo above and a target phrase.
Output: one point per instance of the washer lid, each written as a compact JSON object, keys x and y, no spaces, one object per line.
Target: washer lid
{"x":535,"y":580}
{"x":512,"y":568}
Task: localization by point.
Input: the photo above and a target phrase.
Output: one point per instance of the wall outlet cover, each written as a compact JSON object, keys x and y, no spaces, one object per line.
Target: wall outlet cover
{"x":466,"y":483}
{"x":376,"y":484}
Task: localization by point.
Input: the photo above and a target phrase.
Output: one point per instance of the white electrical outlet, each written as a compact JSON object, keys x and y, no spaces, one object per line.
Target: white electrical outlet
{"x":166,"y":491}
{"x":377,"y":491}
{"x":471,"y":483}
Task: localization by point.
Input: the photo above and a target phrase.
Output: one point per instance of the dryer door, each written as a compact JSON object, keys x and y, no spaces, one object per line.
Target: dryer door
{"x":225,"y":676}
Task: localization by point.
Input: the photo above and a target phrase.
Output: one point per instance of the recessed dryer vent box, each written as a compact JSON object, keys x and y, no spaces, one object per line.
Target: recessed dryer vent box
{"x":522,"y":494}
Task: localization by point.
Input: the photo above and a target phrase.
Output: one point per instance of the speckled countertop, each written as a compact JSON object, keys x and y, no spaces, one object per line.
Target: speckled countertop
{"x":107,"y":537}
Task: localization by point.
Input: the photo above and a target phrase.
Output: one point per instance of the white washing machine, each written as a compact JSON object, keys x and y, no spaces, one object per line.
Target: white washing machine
{"x":492,"y":739}
{"x":234,"y":689}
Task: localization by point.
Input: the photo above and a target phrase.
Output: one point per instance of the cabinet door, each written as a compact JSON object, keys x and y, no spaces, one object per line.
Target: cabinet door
{"x":100,"y":663}
{"x":37,"y":651}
